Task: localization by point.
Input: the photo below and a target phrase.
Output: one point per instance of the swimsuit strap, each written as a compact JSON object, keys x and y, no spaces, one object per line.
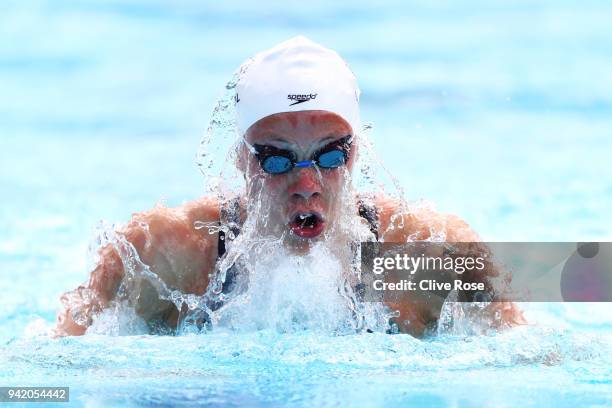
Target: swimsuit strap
{"x":369,"y":212}
{"x":230,"y":215}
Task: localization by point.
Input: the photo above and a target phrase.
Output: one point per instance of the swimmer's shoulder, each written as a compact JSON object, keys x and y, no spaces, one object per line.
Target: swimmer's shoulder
{"x":171,"y":241}
{"x":169,"y":221}
{"x":204,"y":209}
{"x":402,"y":222}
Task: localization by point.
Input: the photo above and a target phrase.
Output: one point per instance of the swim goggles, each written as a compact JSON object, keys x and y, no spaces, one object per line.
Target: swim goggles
{"x":278,"y":161}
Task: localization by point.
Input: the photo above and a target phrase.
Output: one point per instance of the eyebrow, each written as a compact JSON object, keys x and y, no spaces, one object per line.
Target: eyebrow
{"x":326,"y":140}
{"x":280,"y":140}
{"x":271,"y":137}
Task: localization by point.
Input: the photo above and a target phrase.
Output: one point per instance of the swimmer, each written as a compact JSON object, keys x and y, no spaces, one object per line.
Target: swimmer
{"x":298,"y":117}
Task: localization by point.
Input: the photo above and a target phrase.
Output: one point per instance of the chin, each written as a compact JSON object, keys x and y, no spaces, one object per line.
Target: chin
{"x":301,"y":243}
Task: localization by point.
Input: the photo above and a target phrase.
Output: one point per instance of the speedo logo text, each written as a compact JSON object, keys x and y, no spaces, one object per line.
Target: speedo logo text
{"x":300,"y":98}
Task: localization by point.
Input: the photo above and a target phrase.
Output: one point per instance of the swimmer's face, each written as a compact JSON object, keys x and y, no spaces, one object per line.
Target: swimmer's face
{"x":302,"y":203}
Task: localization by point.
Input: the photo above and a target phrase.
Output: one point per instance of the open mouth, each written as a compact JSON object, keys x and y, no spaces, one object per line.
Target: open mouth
{"x":307,"y":224}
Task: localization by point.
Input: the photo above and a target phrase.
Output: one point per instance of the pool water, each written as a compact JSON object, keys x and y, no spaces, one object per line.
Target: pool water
{"x":498,"y":112}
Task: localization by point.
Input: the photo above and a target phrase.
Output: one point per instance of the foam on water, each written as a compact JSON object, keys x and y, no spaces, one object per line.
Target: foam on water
{"x":290,"y":293}
{"x":265,"y":367}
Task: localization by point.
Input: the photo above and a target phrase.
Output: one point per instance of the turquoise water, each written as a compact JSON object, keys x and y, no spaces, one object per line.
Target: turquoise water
{"x":498,"y":112}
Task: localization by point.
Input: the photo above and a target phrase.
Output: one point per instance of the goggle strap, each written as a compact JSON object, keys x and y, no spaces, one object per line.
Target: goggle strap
{"x":250,"y":147}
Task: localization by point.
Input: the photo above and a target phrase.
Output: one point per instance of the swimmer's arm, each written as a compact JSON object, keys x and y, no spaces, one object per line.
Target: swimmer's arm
{"x":80,"y":305}
{"x":165,"y":240}
{"x":421,"y":224}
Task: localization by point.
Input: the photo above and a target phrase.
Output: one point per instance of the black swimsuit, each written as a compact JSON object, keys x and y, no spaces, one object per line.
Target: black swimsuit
{"x":231,"y":214}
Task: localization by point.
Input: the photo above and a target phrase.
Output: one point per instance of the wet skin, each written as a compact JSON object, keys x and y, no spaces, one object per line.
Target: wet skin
{"x":184,"y":256}
{"x":302,"y":190}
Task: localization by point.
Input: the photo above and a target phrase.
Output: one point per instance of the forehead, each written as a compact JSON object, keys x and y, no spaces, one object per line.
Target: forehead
{"x":299,"y":126}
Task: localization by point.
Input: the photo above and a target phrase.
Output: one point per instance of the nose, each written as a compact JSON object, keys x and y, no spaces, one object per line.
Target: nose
{"x":306,"y":183}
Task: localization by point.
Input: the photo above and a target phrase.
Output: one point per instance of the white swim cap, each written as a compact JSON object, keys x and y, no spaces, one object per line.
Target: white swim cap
{"x":296,"y":75}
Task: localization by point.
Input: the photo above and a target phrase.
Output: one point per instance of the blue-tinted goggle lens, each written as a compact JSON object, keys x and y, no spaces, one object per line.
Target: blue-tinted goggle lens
{"x":277,"y":164}
{"x":332,"y":159}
